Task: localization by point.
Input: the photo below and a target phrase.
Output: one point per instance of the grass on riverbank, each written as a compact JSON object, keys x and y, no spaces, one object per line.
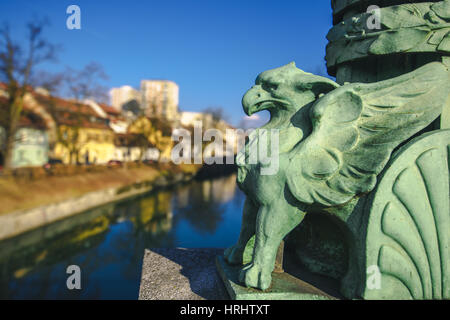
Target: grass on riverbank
{"x":19,"y":194}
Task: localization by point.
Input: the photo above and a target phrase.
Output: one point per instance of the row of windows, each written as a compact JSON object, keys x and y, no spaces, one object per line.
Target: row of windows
{"x":30,"y":138}
{"x":97,"y":137}
{"x":100,"y":138}
{"x":23,"y":155}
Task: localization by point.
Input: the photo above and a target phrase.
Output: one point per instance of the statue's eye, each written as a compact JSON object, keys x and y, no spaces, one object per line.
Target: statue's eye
{"x":303,"y":87}
{"x":269,"y":86}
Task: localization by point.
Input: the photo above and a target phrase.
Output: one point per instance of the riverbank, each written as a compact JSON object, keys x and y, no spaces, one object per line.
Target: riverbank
{"x":109,"y":241}
{"x":31,"y":204}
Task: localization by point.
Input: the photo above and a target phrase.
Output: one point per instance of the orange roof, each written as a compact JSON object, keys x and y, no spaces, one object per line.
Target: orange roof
{"x":109,"y":109}
{"x":31,"y":120}
{"x":64,"y":112}
{"x":51,"y":102}
{"x":71,"y":113}
{"x":28,"y":118}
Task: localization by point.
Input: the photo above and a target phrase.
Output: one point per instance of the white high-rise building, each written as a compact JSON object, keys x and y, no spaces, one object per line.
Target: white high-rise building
{"x":159,"y":98}
{"x":123,"y":95}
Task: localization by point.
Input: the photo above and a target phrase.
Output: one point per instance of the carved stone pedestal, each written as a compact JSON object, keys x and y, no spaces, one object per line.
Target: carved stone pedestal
{"x":284,"y":286}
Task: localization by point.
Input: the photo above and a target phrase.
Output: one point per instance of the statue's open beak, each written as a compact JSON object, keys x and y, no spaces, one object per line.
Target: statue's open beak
{"x":255,"y":100}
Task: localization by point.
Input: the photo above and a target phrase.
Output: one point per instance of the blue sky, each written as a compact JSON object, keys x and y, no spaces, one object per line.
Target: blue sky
{"x":213,"y":49}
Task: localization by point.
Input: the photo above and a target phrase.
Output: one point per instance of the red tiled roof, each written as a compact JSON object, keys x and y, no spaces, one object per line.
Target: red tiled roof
{"x":28,"y":118}
{"x":71,"y":113}
{"x":31,"y":120}
{"x":59,"y":104}
{"x":109,"y":110}
{"x":64,"y":112}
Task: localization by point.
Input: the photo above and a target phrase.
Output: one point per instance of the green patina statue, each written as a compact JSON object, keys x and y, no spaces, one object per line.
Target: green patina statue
{"x":361,"y":188}
{"x":334,"y":141}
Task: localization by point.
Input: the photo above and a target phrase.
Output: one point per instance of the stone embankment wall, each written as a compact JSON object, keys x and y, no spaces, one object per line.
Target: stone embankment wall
{"x":15,"y":223}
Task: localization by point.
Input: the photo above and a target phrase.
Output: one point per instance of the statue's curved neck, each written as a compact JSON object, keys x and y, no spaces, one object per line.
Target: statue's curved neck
{"x":302,"y":120}
{"x":284,"y":118}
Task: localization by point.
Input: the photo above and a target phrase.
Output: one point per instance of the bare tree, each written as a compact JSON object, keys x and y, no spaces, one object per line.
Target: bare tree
{"x":79,"y":85}
{"x":217,"y":113}
{"x":86,"y":83}
{"x":17,"y":64}
{"x":143,"y":132}
{"x":75,"y":84}
{"x":52,"y":82}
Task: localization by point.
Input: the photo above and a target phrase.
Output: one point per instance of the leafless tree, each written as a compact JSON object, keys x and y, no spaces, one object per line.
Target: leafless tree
{"x":86,"y":83}
{"x":17,"y":64}
{"x":79,"y":85}
{"x":52,"y":82}
{"x":218,"y":113}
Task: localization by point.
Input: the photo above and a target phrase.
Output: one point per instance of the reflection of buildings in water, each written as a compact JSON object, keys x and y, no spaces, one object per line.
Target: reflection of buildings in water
{"x":220,"y":190}
{"x":58,"y":244}
{"x":205,"y":207}
{"x":160,"y":225}
{"x":206,"y":190}
{"x":163,"y":202}
{"x":182,"y":196}
{"x":223,"y":189}
{"x":156,"y":213}
{"x":151,"y":216}
{"x":96,"y":226}
{"x":37,"y":252}
{"x":148,"y":207}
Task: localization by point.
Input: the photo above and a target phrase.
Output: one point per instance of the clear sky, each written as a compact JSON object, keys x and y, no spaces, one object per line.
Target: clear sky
{"x":213,"y":49}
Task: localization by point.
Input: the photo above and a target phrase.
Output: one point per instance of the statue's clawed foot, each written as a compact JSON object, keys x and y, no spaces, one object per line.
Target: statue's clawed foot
{"x":255,"y":276}
{"x":233,"y":255}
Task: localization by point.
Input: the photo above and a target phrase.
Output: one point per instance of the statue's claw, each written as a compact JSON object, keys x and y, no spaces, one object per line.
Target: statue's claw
{"x":233,"y":255}
{"x":255,"y":276}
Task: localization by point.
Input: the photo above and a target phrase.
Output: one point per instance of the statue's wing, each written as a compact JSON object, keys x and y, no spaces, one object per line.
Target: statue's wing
{"x":355,"y":129}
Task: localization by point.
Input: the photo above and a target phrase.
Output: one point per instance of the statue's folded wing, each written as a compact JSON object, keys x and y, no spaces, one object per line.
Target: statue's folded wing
{"x":355,"y":129}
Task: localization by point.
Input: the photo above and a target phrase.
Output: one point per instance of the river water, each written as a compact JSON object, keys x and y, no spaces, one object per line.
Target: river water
{"x":108,"y":243}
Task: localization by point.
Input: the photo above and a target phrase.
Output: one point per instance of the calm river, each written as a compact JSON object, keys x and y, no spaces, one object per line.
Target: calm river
{"x":108,"y":243}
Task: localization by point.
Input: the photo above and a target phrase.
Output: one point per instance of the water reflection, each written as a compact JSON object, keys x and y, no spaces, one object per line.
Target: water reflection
{"x":108,"y":242}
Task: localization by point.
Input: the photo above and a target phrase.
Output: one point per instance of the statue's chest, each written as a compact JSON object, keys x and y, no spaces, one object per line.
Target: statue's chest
{"x":260,"y":187}
{"x":261,"y":166}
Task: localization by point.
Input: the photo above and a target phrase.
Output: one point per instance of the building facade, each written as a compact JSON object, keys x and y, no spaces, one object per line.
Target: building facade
{"x":191,"y":119}
{"x":131,"y":147}
{"x":82,"y":135}
{"x":31,"y":138}
{"x":124,"y":95}
{"x":159,"y":98}
{"x":158,"y":133}
{"x":31,"y":148}
{"x":93,"y":144}
{"x":112,"y":116}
